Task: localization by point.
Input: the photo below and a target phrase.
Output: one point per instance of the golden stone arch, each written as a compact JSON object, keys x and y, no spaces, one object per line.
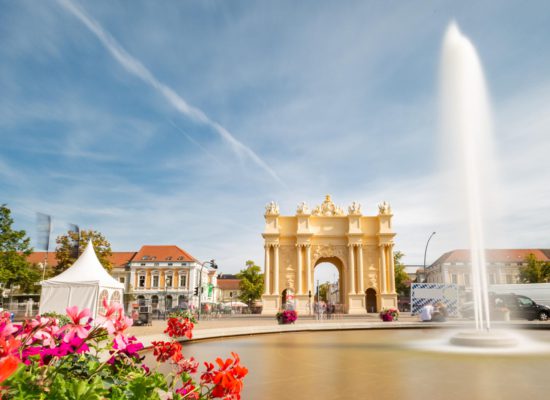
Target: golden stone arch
{"x":360,"y":245}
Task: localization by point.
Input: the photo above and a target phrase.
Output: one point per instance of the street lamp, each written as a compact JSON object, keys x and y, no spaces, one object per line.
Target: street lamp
{"x":212,"y":265}
{"x":426,"y":251}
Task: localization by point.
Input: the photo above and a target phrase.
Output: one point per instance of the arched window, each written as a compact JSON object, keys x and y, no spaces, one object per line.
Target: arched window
{"x":115,"y":297}
{"x":103,"y":295}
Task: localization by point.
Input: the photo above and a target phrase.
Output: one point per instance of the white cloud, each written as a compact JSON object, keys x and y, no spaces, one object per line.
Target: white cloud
{"x":134,"y":66}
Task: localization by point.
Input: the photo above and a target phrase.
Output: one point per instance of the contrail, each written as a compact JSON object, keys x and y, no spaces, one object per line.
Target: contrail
{"x":134,"y":66}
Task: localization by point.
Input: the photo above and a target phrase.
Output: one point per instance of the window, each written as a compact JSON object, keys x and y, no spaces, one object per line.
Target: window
{"x":155,"y":281}
{"x":121,"y":279}
{"x":115,"y":297}
{"x":156,"y":264}
{"x":104,"y":295}
{"x":524,"y":301}
{"x":141,"y":281}
{"x":168,"y":258}
{"x":467,"y":279}
{"x":454,"y":278}
{"x":183,"y":280}
{"x":168,"y":280}
{"x":170,"y":264}
{"x":143,"y":264}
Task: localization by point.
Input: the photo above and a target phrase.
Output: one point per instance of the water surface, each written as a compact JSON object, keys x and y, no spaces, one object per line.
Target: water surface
{"x":376,"y":364}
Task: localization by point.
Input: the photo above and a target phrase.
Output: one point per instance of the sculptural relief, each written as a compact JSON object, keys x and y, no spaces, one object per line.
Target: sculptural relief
{"x":272,"y":208}
{"x":303,"y":209}
{"x":354,"y":209}
{"x":328,"y":209}
{"x":384,"y":208}
{"x":327,"y":251}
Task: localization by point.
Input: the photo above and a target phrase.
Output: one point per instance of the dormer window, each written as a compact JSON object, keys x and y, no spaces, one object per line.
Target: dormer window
{"x":180,"y":258}
{"x":145,"y":258}
{"x":168,"y":258}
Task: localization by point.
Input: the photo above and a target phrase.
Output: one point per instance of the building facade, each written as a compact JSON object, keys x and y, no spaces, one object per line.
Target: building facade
{"x":160,"y":277}
{"x":503,"y":266}
{"x":230,"y":288}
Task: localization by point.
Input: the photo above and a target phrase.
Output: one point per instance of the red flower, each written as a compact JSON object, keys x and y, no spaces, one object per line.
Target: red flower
{"x":166,"y":350}
{"x":9,"y":346}
{"x":179,"y":328}
{"x":8,"y":365}
{"x":227,"y":379}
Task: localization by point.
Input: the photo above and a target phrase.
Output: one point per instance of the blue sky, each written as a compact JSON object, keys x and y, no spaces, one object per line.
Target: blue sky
{"x":175,"y":122}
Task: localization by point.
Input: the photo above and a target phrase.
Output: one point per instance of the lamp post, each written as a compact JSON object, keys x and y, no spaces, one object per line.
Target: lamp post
{"x":425,"y":252}
{"x":212,"y":265}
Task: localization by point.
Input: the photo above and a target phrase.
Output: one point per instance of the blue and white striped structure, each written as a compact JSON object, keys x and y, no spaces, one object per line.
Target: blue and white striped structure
{"x":426,"y":293}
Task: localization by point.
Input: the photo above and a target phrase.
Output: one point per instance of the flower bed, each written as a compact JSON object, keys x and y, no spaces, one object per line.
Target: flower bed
{"x":389,"y":314}
{"x":80,"y":358}
{"x":287,"y":317}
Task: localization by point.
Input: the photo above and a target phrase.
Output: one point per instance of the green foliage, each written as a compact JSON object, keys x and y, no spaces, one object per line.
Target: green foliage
{"x":323,"y":291}
{"x":63,"y":319}
{"x":252,"y":283}
{"x":535,"y":271}
{"x":66,"y":243}
{"x":14,"y":249}
{"x":402,"y":280}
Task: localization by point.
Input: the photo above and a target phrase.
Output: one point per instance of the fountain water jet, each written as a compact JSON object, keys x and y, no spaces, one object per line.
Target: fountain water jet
{"x":466,"y":118}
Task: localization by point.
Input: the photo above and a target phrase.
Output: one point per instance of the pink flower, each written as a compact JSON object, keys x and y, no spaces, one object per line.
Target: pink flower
{"x":75,"y":329}
{"x":108,"y":319}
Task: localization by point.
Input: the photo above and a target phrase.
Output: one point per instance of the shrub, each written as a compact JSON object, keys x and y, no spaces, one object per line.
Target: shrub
{"x":86,"y":359}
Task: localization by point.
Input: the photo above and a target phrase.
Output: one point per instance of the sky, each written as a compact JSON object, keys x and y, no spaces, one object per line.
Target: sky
{"x":176,"y":122}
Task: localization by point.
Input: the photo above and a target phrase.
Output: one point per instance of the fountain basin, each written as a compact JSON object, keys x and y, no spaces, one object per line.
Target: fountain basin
{"x":485,"y":339}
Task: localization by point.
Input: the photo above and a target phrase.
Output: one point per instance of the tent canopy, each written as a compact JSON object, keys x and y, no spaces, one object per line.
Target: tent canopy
{"x":85,"y":284}
{"x":87,"y":270}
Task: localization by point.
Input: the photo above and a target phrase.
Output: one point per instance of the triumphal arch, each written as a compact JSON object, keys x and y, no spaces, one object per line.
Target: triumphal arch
{"x":359,"y":246}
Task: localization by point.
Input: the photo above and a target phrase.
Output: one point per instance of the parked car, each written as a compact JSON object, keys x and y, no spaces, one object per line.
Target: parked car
{"x":520,"y":307}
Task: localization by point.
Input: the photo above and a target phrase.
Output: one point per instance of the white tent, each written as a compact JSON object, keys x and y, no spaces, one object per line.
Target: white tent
{"x":84,"y":284}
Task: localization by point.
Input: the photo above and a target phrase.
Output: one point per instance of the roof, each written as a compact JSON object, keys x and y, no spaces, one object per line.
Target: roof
{"x":86,"y":270}
{"x":162,"y":253}
{"x":117,"y":259}
{"x":494,"y":255}
{"x":39,"y":257}
{"x":121,"y":258}
{"x":229,"y":284}
{"x":227,"y":276}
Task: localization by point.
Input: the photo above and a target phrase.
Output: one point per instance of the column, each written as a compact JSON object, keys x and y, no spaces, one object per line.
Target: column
{"x":382,"y":270}
{"x":267,"y":271}
{"x":360,"y":267}
{"x":299,"y":280}
{"x":392,"y":269}
{"x":308,"y":266}
{"x":351,"y":268}
{"x":276,"y":269}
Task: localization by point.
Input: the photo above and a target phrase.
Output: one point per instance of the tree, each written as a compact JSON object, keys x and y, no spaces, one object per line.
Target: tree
{"x":65,"y":255}
{"x":402,"y":280}
{"x":324,"y":289}
{"x":535,"y":271}
{"x":15,"y":247}
{"x":252,"y":283}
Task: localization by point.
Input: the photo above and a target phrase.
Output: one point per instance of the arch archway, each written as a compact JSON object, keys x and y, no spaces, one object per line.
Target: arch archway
{"x":359,"y":246}
{"x":370,"y":300}
{"x":330,"y":270}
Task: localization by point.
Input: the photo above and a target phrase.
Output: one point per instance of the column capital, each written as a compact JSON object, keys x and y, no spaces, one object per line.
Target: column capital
{"x":304,"y":245}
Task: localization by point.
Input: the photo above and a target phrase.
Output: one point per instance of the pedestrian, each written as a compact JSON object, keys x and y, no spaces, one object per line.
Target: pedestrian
{"x":426,"y":312}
